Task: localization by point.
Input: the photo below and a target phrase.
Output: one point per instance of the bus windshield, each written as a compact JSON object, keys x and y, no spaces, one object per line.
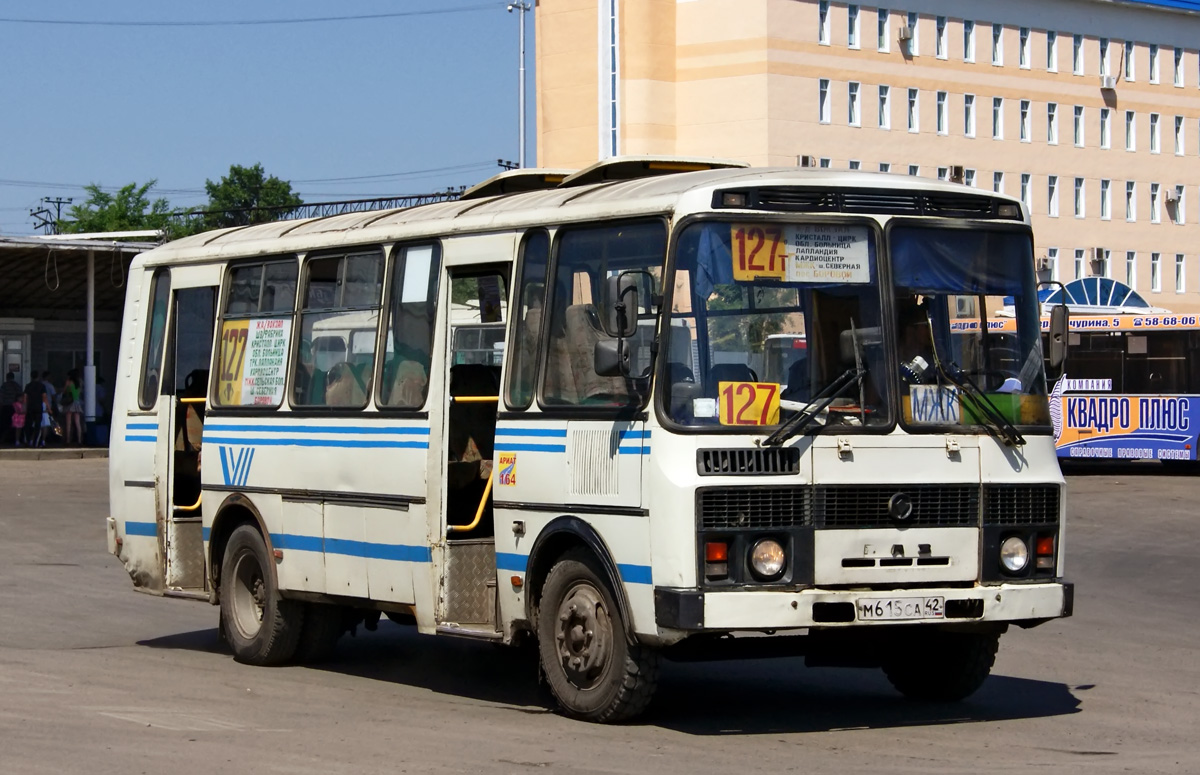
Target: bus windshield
{"x":949,"y":285}
{"x":747,"y":292}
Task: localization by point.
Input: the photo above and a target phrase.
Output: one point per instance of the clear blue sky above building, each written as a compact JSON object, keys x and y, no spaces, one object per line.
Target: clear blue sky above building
{"x":384,"y":106}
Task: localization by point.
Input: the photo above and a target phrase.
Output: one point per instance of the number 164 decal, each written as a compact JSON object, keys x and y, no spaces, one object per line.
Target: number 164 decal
{"x":748,"y":403}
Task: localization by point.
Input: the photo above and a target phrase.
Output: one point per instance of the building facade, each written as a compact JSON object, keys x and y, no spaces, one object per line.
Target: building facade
{"x":1088,"y":110}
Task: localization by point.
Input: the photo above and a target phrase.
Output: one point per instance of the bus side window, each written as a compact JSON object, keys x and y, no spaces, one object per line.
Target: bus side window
{"x":339,"y":321}
{"x":156,"y":331}
{"x":256,"y":330}
{"x":409,"y":336}
{"x":527,"y":328}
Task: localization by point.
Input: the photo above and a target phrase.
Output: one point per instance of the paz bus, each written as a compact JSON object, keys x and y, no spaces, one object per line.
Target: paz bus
{"x":298,"y":441}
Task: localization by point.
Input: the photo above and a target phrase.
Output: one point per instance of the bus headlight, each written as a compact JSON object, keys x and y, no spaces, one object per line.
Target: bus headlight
{"x":767,"y":559}
{"x":1014,"y":554}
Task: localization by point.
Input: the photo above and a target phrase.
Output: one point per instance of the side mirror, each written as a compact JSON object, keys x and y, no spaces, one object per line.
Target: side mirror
{"x":1059,"y":336}
{"x":611,"y":358}
{"x":621,"y":305}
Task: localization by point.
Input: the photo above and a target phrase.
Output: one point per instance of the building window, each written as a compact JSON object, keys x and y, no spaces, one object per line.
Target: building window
{"x":1153,"y":63}
{"x":1052,"y":123}
{"x":1178,"y":66}
{"x":1155,"y":273}
{"x":1105,"y":258}
{"x":1154,"y":133}
{"x":968,"y":41}
{"x":1026,"y":190}
{"x":940,"y":42}
{"x":1080,"y":260}
{"x":969,"y":177}
{"x":823,"y":22}
{"x":825,"y":162}
{"x":998,"y":182}
{"x":1052,"y":196}
{"x":823,"y":108}
{"x":943,"y":173}
{"x":969,"y":115}
{"x":1105,"y":128}
{"x":1080,"y":204}
{"x":913,"y":48}
{"x":1105,"y":200}
{"x":914,"y":170}
{"x":853,"y":115}
{"x":855,"y":164}
{"x":1052,"y":51}
{"x":882,"y":29}
{"x":1078,"y":126}
{"x":1180,"y":206}
{"x":1130,"y":131}
{"x":1179,"y":139}
{"x":852,"y":26}
{"x":885,"y":107}
{"x":1130,"y":70}
{"x":1052,"y":262}
{"x":1130,"y":201}
{"x":1023,"y":49}
{"x":1077,"y":55}
{"x":997,"y":118}
{"x":941,"y":113}
{"x":1024,"y":121}
{"x":885,"y":166}
{"x":998,"y":44}
{"x":914,"y":110}
{"x":1155,"y":204}
{"x":1103,"y":56}
{"x":1179,"y":273}
{"x":1131,"y":268}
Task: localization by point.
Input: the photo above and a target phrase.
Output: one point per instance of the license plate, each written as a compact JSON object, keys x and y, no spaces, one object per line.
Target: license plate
{"x":884,"y":608}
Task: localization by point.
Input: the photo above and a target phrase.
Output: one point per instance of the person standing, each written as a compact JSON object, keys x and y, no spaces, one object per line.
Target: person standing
{"x":8,"y":394}
{"x":71,"y":402}
{"x":35,"y":403}
{"x":18,"y":419}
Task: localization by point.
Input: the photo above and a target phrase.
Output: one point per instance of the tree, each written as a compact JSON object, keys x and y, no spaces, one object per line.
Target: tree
{"x":243,"y":193}
{"x":128,"y":209}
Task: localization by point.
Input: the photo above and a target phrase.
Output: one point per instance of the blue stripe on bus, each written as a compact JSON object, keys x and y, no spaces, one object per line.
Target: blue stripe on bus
{"x":558,"y":433}
{"x":349,"y":548}
{"x":141,"y":528}
{"x":141,"y":426}
{"x":311,"y":442}
{"x":634,"y":450}
{"x":632,"y":435}
{"x":375,"y":430}
{"x":630,"y":574}
{"x":501,"y":446}
{"x":141,"y":438}
{"x":512,"y":562}
{"x":635,"y":574}
{"x":205,"y":532}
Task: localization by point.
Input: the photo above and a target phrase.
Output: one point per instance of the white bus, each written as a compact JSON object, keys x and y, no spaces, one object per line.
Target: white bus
{"x":296,"y":439}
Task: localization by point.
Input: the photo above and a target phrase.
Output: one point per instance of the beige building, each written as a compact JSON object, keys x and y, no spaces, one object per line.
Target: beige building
{"x":1088,"y":110}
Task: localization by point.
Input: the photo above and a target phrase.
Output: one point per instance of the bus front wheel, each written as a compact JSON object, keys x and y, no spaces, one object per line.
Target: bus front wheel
{"x":940,"y":666}
{"x":260,"y":627}
{"x":595,"y":673}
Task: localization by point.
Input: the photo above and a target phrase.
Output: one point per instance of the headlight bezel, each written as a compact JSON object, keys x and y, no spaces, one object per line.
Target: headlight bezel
{"x":1014,"y":547}
{"x":770,"y":546}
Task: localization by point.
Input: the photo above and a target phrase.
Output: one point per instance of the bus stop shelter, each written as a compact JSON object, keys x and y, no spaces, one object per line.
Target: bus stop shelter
{"x":61,"y":303}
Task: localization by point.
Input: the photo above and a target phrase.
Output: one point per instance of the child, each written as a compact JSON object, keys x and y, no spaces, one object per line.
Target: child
{"x":18,"y":419}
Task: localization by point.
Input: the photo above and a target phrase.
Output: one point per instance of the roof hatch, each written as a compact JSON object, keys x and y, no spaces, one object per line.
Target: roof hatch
{"x":631,"y":167}
{"x":516,"y":182}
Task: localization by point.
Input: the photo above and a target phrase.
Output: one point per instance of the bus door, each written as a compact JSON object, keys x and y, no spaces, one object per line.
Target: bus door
{"x":181,"y":408}
{"x":478,"y":312}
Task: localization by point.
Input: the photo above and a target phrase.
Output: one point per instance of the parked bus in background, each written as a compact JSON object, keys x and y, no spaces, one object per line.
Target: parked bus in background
{"x":623,"y":414}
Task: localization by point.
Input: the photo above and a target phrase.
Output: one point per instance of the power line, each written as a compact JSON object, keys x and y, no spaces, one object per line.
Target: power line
{"x":253,"y":22}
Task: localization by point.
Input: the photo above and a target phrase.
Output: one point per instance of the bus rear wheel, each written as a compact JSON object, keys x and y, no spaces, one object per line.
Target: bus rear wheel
{"x":941,"y":666}
{"x":260,"y":627}
{"x":595,"y":673}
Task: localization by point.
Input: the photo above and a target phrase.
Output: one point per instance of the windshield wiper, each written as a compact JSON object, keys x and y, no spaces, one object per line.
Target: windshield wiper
{"x":836,"y":389}
{"x":998,"y":424}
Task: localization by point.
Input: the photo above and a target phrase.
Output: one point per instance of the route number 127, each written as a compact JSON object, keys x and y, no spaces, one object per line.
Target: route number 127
{"x":758,"y":251}
{"x":748,"y":403}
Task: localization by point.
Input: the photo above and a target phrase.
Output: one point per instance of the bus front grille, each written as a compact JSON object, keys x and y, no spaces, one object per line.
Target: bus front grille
{"x":867,"y":506}
{"x":732,"y":508}
{"x":1021,"y":504}
{"x":767,"y":461}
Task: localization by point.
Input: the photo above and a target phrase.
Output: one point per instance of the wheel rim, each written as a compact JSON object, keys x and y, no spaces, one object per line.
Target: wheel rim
{"x":584,"y":637}
{"x":249,"y":595}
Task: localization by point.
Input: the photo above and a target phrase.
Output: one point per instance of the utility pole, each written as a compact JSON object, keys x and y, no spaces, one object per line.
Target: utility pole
{"x":521,"y":8}
{"x":43,"y":215}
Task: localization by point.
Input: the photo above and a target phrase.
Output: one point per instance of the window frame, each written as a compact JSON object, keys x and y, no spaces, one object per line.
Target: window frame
{"x":514,"y":307}
{"x":823,"y":22}
{"x":1051,"y":51}
{"x":1077,"y":51}
{"x":997,"y":44}
{"x":914,"y":110}
{"x":968,"y":41}
{"x":885,"y":106}
{"x":882,"y":24}
{"x":435,"y":290}
{"x":1023,"y":48}
{"x":853,"y":26}
{"x":156,"y":275}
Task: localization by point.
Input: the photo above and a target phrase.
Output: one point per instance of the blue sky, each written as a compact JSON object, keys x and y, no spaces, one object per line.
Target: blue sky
{"x":434,"y":96}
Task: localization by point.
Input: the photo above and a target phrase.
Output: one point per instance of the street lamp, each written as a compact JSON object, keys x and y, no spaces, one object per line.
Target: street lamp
{"x":521,"y":8}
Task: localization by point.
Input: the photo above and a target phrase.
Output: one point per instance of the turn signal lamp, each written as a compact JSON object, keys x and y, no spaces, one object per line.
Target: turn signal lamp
{"x":716,"y":560}
{"x":1045,"y":545}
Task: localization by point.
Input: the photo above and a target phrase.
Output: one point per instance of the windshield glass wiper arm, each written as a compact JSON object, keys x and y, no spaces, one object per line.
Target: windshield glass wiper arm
{"x":836,"y":389}
{"x":996,"y":423}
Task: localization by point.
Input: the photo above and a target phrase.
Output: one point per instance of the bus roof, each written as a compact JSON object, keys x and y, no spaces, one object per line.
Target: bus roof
{"x":681,"y":192}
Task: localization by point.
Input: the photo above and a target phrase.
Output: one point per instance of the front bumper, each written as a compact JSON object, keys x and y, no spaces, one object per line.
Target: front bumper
{"x":693,"y":610}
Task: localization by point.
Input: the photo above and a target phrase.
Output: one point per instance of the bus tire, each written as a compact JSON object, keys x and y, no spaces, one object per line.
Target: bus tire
{"x":593,"y":670}
{"x":941,"y":666}
{"x":323,"y":627}
{"x":261,"y":627}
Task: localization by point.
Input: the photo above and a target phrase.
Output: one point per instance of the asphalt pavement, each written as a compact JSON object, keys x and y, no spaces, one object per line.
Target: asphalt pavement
{"x":96,"y":678}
